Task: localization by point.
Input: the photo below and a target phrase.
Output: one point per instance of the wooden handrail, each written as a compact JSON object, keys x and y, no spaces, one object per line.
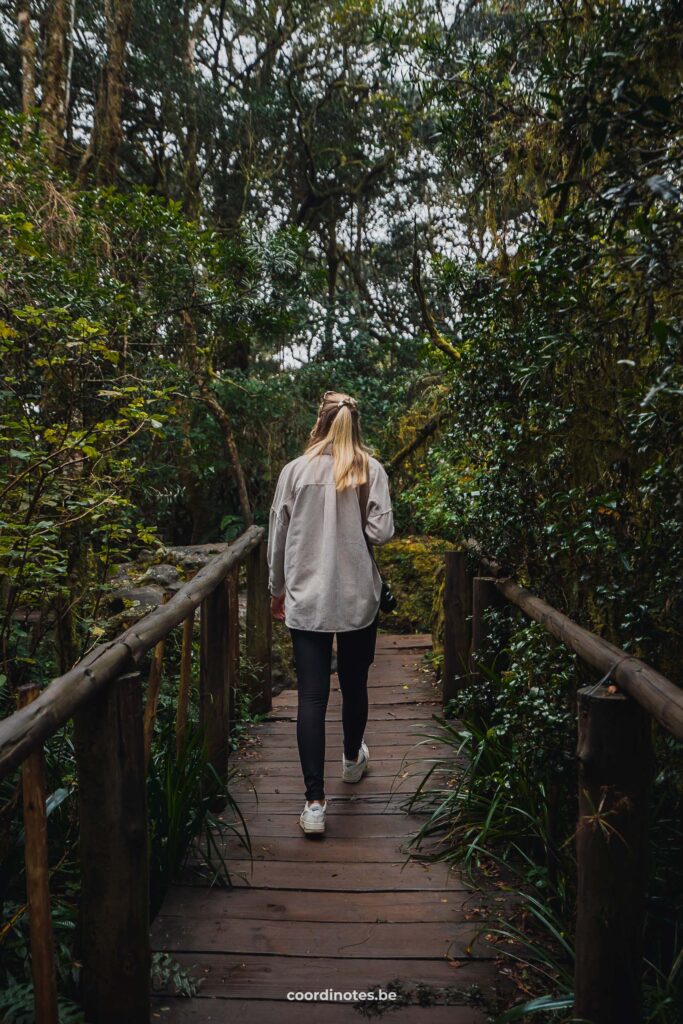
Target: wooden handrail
{"x":615,"y":768}
{"x":112,"y":744}
{"x":658,"y":695}
{"x":27,"y":729}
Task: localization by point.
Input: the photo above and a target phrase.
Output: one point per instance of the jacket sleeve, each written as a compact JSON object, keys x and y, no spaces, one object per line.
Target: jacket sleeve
{"x":278,"y":524}
{"x":379,"y":526}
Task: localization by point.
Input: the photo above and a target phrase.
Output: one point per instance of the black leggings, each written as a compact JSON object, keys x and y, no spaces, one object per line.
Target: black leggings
{"x":313,"y":661}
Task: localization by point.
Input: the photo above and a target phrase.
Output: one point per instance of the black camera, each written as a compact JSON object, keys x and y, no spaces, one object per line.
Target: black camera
{"x":387,"y":601}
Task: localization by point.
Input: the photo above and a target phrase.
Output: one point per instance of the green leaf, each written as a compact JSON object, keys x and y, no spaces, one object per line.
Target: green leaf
{"x":538,"y":1005}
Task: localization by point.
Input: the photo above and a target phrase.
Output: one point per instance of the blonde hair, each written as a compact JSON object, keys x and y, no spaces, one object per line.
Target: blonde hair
{"x":338,"y":424}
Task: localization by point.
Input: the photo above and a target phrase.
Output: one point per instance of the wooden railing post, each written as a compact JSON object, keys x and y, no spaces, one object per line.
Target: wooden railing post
{"x":153,"y":690}
{"x":484,"y":596}
{"x":615,"y":770}
{"x":259,"y":627}
{"x":233,"y":640}
{"x":214,"y":679}
{"x":457,"y":630}
{"x":37,"y":878}
{"x":184,"y":683}
{"x":113,"y":848}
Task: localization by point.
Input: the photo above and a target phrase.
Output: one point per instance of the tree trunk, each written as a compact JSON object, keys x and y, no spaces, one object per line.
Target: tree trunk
{"x":191,"y":140}
{"x":223,"y":420}
{"x":332,"y":256}
{"x":219,"y":414}
{"x":104,"y":143}
{"x":27,"y":52}
{"x":55,"y":71}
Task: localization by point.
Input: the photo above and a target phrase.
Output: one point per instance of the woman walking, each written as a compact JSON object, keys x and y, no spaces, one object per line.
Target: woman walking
{"x":330,"y":504}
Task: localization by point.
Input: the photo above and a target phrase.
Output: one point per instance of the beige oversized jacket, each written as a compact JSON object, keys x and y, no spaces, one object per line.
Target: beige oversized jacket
{"x":317,"y":555}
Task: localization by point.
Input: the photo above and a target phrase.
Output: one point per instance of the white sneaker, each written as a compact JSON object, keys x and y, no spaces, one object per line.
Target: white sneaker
{"x":353,"y":771}
{"x":312,"y":818}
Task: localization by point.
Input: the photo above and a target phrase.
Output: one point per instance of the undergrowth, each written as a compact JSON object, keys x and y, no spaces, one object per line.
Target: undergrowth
{"x":502,"y":804}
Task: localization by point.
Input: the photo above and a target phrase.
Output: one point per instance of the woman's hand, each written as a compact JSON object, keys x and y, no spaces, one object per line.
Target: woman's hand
{"x":277,"y":607}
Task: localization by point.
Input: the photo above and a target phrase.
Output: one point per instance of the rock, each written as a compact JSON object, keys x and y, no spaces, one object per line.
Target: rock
{"x":162,"y":575}
{"x":120,"y":575}
{"x":194,"y":556}
{"x":135,"y":601}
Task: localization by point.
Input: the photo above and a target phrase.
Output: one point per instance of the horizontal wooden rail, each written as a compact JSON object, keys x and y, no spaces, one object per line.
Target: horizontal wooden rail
{"x":615,"y":762}
{"x":658,"y":695}
{"x":113,"y":746}
{"x":27,"y":729}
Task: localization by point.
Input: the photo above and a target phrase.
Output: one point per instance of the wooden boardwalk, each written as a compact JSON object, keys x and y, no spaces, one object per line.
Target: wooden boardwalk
{"x":345,"y":911}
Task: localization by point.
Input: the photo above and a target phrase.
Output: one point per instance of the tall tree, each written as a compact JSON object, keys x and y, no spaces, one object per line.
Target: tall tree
{"x":102,"y":151}
{"x":27,"y":50}
{"x":55,"y":79}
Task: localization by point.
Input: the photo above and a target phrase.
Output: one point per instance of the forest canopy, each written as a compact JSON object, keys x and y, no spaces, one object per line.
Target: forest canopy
{"x":469,"y":217}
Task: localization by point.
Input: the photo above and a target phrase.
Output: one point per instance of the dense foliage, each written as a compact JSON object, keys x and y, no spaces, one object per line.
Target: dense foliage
{"x":560,"y":324}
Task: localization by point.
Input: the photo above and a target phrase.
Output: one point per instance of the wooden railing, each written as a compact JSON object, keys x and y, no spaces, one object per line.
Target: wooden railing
{"x":615,"y":769}
{"x":103,"y":695}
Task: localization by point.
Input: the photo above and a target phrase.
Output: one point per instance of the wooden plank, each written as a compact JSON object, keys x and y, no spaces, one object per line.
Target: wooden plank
{"x":389,"y":760}
{"x":370,"y":825}
{"x":385,"y":731}
{"x":397,"y":712}
{"x":218,"y":1011}
{"x":399,"y":642}
{"x":356,"y":877}
{"x":373,"y":824}
{"x":397,"y":661}
{"x":337,"y":849}
{"x":401,"y":695}
{"x":284,"y":750}
{"x":288,"y":755}
{"x":391,"y":769}
{"x":339,"y":807}
{"x":233,"y":977}
{"x":385,"y":768}
{"x":396,"y":730}
{"x":284,"y":905}
{"x":333,"y":785}
{"x":377,"y":940}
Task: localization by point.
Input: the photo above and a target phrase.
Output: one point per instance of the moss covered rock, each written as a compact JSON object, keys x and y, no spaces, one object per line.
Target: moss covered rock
{"x":412,"y":565}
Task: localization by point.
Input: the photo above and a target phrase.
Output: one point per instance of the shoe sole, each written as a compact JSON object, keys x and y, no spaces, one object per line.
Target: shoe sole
{"x":355,"y":778}
{"x":312,"y":829}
